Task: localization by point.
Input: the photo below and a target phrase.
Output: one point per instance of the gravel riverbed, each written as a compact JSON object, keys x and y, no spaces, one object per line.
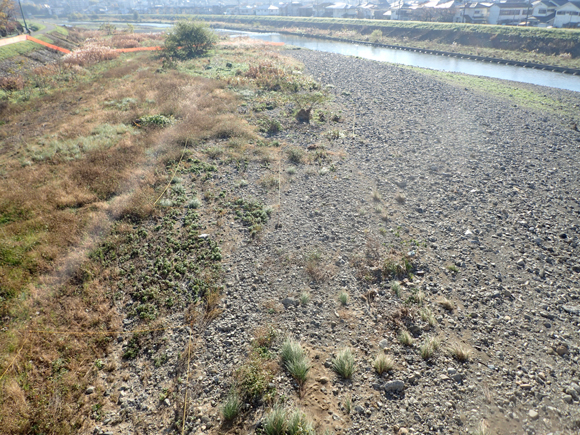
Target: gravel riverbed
{"x":482,"y":196}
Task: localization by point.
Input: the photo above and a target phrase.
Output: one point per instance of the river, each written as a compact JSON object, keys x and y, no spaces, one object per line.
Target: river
{"x":422,"y":60}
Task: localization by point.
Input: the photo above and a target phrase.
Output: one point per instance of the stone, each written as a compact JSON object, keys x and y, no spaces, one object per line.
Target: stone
{"x":533,"y":414}
{"x":572,"y":309}
{"x":395,"y":385}
{"x":561,"y":349}
{"x":322,"y":380}
{"x":90,"y":390}
{"x":289,"y":302}
{"x":384,"y":343}
{"x":567,"y":398}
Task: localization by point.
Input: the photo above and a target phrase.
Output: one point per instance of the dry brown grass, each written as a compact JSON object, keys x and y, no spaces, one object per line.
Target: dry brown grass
{"x":51,"y":205}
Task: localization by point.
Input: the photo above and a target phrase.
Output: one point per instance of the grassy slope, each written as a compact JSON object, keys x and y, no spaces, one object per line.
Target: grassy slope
{"x":95,"y":178}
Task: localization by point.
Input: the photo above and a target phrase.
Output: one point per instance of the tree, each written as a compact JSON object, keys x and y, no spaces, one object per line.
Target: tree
{"x":6,"y":15}
{"x":189,"y":39}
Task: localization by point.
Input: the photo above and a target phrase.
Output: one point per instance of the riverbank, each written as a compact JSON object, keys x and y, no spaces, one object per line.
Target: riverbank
{"x":559,"y":47}
{"x":472,"y":189}
{"x":424,"y":221}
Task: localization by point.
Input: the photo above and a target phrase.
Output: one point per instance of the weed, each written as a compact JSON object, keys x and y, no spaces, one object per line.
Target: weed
{"x":446,"y":303}
{"x":453,"y":268}
{"x":155,"y":121}
{"x":334,"y":135}
{"x":347,"y":405}
{"x":405,"y":338}
{"x":295,"y":155}
{"x":291,"y":170}
{"x":397,"y":267}
{"x":343,"y":363}
{"x":383,"y":363}
{"x":377,"y":197}
{"x":270,"y":181}
{"x":481,"y":429}
{"x":428,"y":348}
{"x":460,"y":351}
{"x":396,"y":289}
{"x":304,"y":298}
{"x":376,"y":35}
{"x":343,"y":298}
{"x":194,"y":203}
{"x":315,"y":267}
{"x":295,"y":360}
{"x":253,"y":377}
{"x":231,"y":407}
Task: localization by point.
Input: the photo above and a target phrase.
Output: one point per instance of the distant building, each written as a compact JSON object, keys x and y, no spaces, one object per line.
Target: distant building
{"x":568,"y":15}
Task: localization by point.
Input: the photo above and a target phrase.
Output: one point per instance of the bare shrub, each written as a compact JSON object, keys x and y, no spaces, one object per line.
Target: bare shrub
{"x":15,"y":83}
{"x":90,"y":54}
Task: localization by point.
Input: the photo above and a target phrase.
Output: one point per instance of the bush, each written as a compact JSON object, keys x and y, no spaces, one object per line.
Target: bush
{"x":14,"y":83}
{"x":189,"y":39}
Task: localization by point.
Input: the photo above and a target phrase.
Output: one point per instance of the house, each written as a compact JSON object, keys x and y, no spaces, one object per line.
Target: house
{"x":341,"y":10}
{"x":568,"y":15}
{"x":509,"y":13}
{"x":403,"y":11}
{"x":475,"y":13}
{"x":269,"y":10}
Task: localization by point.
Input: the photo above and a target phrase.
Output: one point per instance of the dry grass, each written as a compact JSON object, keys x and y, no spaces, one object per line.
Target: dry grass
{"x":446,"y":303}
{"x":58,"y":200}
{"x":461,"y":352}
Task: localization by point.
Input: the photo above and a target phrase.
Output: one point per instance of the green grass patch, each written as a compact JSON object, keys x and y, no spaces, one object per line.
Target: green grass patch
{"x":61,"y":30}
{"x":507,"y":91}
{"x":18,"y":49}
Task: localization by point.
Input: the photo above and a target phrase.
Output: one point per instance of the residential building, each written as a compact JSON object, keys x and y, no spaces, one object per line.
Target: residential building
{"x":568,"y":15}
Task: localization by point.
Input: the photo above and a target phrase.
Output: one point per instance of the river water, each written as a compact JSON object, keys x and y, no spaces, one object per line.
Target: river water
{"x":422,"y":60}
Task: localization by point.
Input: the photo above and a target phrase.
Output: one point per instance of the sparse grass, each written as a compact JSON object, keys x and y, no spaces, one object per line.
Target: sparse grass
{"x":377,"y":197}
{"x":231,"y":407}
{"x":343,"y":363}
{"x":347,"y":405}
{"x":396,"y":289}
{"x":304,"y":298}
{"x":461,"y":352}
{"x":428,"y":348}
{"x":295,"y":155}
{"x":427,"y":316}
{"x":343,"y":298}
{"x":383,"y":363}
{"x":291,"y":170}
{"x":446,"y":303}
{"x":453,"y":268}
{"x":315,"y":266}
{"x":405,"y":338}
{"x":90,"y":177}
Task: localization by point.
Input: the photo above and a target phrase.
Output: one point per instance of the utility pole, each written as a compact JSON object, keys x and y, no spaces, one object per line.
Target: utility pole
{"x":23,"y":19}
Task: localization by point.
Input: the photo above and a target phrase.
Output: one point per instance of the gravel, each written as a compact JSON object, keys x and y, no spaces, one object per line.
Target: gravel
{"x":464,"y":180}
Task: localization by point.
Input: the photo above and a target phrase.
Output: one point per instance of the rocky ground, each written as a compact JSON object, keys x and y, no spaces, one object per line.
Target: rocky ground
{"x":479,"y":195}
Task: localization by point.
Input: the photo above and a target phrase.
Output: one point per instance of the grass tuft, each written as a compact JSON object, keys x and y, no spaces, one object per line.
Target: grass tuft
{"x":446,"y":303}
{"x":405,"y":338}
{"x":428,"y":348}
{"x":460,"y":352}
{"x":343,"y":364}
{"x":343,"y":298}
{"x":295,"y":360}
{"x":383,"y":363}
{"x":231,"y":407}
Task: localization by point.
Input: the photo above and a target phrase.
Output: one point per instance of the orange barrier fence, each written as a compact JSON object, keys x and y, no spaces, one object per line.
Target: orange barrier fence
{"x":46,"y":44}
